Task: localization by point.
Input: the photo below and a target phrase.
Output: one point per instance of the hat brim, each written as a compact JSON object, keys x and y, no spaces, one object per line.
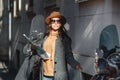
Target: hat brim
{"x":48,"y":19}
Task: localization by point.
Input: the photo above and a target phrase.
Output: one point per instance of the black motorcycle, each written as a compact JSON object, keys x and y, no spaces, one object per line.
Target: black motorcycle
{"x":107,"y":66}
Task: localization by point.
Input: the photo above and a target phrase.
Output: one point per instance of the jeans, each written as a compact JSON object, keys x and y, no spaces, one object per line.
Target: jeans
{"x":47,"y":78}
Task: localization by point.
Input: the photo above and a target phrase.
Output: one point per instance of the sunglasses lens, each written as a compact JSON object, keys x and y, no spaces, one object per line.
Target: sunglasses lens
{"x":53,"y":21}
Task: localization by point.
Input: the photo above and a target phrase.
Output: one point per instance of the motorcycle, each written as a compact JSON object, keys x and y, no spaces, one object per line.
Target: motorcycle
{"x":107,"y":66}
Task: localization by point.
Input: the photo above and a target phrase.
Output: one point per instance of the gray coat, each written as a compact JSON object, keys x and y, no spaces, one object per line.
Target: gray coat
{"x":63,"y":55}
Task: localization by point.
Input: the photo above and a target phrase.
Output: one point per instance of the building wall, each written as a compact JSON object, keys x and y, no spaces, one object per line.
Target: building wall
{"x":4,"y":30}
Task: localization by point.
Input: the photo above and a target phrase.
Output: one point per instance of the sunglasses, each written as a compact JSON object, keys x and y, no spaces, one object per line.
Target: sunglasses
{"x":57,"y":21}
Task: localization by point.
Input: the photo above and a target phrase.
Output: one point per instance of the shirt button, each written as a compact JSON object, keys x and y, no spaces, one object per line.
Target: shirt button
{"x":55,"y":62}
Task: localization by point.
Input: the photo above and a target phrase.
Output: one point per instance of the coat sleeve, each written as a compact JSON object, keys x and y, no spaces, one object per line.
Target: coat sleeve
{"x":24,"y":70}
{"x":68,"y":52}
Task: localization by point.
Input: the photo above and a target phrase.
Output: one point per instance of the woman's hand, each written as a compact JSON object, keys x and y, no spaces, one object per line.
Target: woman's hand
{"x":33,"y":49}
{"x":78,"y":67}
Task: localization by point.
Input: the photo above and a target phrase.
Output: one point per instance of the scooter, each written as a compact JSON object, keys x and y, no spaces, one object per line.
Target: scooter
{"x":107,"y":66}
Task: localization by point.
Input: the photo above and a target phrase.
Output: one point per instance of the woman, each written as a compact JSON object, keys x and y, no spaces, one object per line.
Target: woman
{"x":58,"y":44}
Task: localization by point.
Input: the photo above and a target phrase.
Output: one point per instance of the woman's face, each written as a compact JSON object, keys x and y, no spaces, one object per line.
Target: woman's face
{"x":55,"y":23}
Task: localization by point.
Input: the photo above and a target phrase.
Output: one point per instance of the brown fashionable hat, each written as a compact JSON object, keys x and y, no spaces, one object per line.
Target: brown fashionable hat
{"x":55,"y":14}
